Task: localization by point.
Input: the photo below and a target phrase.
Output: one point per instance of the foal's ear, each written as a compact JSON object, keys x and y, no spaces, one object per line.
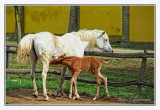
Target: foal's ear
{"x":101,"y":35}
{"x":62,"y":56}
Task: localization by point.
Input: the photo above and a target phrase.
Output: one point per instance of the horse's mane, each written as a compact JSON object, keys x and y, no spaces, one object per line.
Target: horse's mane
{"x":85,"y":35}
{"x":89,"y":35}
{"x":56,"y":42}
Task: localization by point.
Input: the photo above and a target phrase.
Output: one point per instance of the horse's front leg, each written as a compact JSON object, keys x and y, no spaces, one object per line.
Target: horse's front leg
{"x":62,"y":81}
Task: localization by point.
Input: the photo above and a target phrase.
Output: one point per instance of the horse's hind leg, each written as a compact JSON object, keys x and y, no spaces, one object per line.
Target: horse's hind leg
{"x":44,"y":77}
{"x":33,"y":59}
{"x":45,"y":58}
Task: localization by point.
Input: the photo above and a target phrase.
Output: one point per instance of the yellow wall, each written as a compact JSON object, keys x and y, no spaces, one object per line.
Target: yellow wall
{"x":142,"y":23}
{"x":10,"y":20}
{"x":41,"y":18}
{"x":54,"y":19}
{"x":108,"y":18}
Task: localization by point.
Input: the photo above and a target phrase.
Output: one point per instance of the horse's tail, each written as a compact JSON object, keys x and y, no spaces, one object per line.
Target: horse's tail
{"x":24,"y":47}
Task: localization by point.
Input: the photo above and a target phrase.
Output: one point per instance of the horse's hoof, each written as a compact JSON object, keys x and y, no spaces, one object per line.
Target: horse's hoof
{"x":78,"y":98}
{"x":35,"y":95}
{"x":63,"y":93}
{"x":58,"y":95}
{"x":108,"y":95}
{"x":46,"y":99}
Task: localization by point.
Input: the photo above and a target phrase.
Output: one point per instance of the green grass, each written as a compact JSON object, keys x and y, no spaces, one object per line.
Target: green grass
{"x":119,"y":70}
{"x":12,"y":41}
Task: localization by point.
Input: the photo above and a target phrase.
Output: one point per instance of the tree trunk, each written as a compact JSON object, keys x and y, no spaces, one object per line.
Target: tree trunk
{"x":125,"y":26}
{"x":19,"y":24}
{"x":73,"y":19}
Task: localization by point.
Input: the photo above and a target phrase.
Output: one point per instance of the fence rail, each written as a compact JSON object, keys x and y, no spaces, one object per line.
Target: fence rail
{"x":52,"y":71}
{"x":11,"y":45}
{"x":139,"y":82}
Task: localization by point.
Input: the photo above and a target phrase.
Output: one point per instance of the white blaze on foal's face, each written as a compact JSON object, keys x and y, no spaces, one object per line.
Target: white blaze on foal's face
{"x":103,"y":43}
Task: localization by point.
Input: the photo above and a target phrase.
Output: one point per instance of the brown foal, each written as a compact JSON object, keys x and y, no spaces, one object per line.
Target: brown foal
{"x":77,"y":65}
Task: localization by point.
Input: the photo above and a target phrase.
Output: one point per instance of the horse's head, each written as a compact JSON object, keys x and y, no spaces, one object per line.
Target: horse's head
{"x":103,"y":42}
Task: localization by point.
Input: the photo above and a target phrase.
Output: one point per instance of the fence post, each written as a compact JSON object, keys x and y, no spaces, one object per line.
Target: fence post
{"x":8,"y":61}
{"x":140,"y":79}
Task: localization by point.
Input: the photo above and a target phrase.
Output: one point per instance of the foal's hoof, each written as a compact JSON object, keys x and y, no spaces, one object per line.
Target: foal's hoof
{"x":95,"y":98}
{"x":70,"y":97}
{"x":77,"y":98}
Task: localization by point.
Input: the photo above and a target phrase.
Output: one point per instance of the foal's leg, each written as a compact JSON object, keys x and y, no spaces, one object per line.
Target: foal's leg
{"x":98,"y":85}
{"x":105,"y":82}
{"x":76,"y":95}
{"x":62,"y":81}
{"x":33,"y":58}
{"x":73,"y":80}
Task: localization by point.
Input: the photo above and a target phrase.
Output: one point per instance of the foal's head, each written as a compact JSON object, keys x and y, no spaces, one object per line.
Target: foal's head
{"x":59,"y":60}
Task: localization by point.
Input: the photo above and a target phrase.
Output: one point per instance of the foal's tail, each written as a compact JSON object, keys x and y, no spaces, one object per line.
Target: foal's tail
{"x":24,"y":47}
{"x":105,"y":61}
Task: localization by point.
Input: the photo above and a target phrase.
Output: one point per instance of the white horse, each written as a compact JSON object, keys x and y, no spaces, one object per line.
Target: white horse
{"x":45,"y":45}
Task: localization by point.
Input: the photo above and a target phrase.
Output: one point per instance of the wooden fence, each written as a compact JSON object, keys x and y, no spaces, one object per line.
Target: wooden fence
{"x":139,"y":82}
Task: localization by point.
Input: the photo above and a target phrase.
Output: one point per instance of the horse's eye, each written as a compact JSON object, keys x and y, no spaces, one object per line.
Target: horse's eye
{"x":106,"y":39}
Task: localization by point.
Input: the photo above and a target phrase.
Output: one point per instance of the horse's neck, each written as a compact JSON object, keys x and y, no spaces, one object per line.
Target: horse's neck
{"x":88,"y":38}
{"x":71,"y":45}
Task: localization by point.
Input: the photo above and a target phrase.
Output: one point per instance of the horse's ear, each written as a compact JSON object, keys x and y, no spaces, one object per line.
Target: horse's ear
{"x":101,"y":35}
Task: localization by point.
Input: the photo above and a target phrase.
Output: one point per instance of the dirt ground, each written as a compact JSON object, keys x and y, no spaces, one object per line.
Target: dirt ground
{"x":24,"y":96}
